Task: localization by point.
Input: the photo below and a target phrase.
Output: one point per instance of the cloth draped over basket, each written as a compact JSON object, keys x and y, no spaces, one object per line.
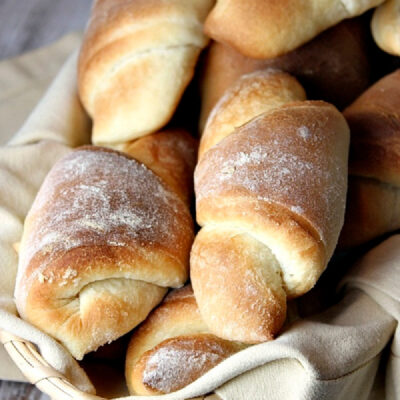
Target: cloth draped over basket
{"x":350,"y":350}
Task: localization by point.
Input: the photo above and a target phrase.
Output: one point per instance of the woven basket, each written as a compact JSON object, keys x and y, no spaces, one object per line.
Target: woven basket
{"x":47,"y":379}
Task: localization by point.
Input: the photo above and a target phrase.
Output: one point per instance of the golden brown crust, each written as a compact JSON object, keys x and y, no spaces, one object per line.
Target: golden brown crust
{"x":170,"y":154}
{"x":374,"y":164}
{"x":173,"y":347}
{"x":372,"y":210}
{"x":334,"y":67}
{"x":385,"y":26}
{"x":272,"y":225}
{"x":294,"y":156}
{"x":276,"y":189}
{"x":277,"y":27}
{"x":221,"y":67}
{"x":179,"y":361}
{"x":102,"y":242}
{"x":238,"y":285}
{"x":375,"y":131}
{"x":177,"y":313}
{"x":261,"y":91}
{"x":136,"y":60}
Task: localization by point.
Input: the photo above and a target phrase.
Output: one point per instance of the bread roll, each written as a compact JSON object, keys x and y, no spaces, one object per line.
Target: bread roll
{"x":104,"y":240}
{"x":136,"y":60}
{"x":373,"y":205}
{"x":171,"y":155}
{"x":385,"y":26}
{"x":173,"y":347}
{"x":270,"y":200}
{"x":334,"y":66}
{"x":251,"y":96}
{"x":270,"y":28}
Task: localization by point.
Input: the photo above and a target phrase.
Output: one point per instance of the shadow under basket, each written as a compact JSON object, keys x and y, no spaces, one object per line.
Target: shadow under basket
{"x":38,"y":372}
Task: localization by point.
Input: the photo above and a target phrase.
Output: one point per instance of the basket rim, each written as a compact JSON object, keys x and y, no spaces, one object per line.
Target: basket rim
{"x":39,"y":372}
{"x":47,"y":379}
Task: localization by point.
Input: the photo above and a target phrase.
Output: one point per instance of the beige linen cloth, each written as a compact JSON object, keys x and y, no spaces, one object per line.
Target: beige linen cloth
{"x":349,"y":351}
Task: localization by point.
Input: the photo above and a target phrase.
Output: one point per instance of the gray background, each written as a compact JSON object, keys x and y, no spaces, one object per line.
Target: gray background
{"x":29,"y":24}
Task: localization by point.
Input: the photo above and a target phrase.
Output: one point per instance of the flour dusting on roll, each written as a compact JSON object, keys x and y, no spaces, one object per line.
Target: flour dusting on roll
{"x":104,"y":240}
{"x":173,"y":347}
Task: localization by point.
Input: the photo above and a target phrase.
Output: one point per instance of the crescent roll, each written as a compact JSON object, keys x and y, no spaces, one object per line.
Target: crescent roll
{"x":173,"y":347}
{"x":104,"y":240}
{"x":270,"y":199}
{"x":136,"y":60}
{"x":373,"y":203}
{"x":270,"y":28}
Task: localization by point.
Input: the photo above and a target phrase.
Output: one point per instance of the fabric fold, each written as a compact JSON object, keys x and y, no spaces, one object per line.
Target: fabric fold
{"x":24,"y":79}
{"x":57,"y":124}
{"x":59,"y":116}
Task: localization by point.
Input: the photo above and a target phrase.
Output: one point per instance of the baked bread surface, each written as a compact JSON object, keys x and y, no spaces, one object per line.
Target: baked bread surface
{"x":103,"y":241}
{"x":136,"y":60}
{"x":270,"y":28}
{"x":374,"y":163}
{"x":335,"y":66}
{"x":173,"y":347}
{"x":270,"y":198}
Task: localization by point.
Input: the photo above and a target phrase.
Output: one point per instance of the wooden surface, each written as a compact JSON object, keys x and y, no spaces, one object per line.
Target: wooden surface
{"x":26,"y":25}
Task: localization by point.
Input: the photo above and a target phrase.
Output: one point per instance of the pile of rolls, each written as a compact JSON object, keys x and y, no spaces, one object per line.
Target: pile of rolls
{"x":297,"y":155}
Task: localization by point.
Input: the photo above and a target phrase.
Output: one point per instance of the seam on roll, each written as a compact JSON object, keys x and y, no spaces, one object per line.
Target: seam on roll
{"x":149,"y":25}
{"x":78,"y":293}
{"x":128,"y":59}
{"x":119,"y":278}
{"x":241,"y":231}
{"x":316,"y":237}
{"x":79,"y":288}
{"x":132,"y":29}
